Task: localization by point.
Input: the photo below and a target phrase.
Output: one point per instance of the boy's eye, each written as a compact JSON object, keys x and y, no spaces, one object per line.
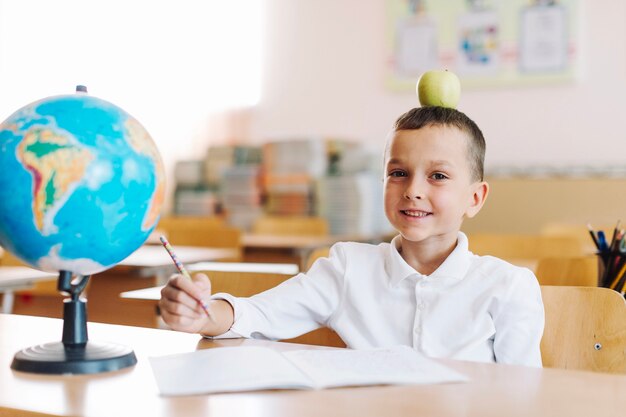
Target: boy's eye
{"x":397,"y":174}
{"x":439,"y":176}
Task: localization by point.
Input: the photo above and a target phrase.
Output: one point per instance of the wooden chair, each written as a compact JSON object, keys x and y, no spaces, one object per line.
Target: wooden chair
{"x":585,"y":329}
{"x":577,"y":231}
{"x":515,"y":246}
{"x":579,"y":271}
{"x":201,"y":231}
{"x":291,"y":225}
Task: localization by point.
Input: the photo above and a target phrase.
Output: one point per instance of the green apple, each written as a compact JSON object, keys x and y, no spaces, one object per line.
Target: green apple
{"x":439,"y":88}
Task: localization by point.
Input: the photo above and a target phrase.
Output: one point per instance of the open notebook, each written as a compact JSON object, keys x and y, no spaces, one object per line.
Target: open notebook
{"x":231,"y":369}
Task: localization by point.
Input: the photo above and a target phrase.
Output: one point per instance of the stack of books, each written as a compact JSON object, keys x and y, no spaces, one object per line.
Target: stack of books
{"x":352,"y":204}
{"x":195,"y":202}
{"x":291,"y":168}
{"x":241,"y":195}
{"x":192,"y":197}
{"x":220,"y":158}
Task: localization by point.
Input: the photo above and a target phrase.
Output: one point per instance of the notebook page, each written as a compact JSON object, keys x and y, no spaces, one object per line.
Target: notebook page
{"x":395,"y":365}
{"x":225,"y":369}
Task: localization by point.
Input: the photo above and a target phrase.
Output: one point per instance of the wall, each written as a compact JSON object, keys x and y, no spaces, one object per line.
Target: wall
{"x":324,"y":75}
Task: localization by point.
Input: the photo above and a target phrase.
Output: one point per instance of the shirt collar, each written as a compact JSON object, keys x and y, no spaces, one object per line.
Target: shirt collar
{"x":455,"y":265}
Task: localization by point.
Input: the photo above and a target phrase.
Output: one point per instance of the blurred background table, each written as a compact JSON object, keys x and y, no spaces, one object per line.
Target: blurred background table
{"x":14,"y":278}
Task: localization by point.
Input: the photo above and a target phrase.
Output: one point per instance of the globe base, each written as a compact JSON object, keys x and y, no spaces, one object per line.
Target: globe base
{"x":57,"y":358}
{"x":74,"y":354}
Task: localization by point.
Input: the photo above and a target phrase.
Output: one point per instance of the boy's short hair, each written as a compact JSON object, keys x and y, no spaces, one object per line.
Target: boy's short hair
{"x":420,"y":117}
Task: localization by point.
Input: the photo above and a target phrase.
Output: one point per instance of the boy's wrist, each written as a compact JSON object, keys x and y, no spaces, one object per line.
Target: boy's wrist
{"x":223,"y":318}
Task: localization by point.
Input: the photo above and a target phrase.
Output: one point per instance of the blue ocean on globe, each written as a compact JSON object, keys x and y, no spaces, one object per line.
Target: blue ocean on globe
{"x":82,"y":184}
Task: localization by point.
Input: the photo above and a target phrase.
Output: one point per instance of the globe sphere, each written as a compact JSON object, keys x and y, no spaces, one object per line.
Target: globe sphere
{"x":81,"y":186}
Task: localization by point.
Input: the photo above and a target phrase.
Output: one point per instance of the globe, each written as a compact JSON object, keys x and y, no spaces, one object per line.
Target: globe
{"x":81,"y":186}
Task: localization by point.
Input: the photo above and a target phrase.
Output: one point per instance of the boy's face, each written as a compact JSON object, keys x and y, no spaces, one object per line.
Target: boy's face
{"x":428,"y":184}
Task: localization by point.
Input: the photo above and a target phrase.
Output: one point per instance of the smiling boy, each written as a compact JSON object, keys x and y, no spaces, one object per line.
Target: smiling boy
{"x":425,"y":289}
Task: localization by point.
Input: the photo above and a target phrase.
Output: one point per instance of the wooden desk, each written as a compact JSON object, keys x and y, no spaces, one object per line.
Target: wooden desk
{"x":13,"y":278}
{"x":256,"y":270}
{"x":494,"y":390}
{"x":240,"y":278}
{"x":150,"y":265}
{"x":150,"y":260}
{"x":292,"y":248}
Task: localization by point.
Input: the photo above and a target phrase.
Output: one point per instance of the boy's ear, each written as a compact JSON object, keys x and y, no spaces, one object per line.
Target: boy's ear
{"x":477,"y":199}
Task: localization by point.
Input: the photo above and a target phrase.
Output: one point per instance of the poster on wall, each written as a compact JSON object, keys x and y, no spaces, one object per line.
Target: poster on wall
{"x":485,"y":42}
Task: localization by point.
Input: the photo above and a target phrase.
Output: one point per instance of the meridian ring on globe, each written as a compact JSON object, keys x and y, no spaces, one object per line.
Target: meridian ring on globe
{"x":82,"y":185}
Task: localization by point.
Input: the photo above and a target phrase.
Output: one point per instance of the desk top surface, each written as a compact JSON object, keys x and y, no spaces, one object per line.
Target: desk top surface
{"x":157,"y":256}
{"x":13,"y":276}
{"x":494,"y":390}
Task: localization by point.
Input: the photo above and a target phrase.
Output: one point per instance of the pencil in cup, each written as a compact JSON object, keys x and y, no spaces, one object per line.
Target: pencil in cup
{"x":181,"y":268}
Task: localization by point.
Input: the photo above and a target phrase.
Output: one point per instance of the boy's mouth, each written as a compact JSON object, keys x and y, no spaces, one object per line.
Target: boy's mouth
{"x":415,"y":213}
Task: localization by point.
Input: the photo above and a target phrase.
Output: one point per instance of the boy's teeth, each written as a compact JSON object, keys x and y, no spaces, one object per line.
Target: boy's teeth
{"x":415,"y":213}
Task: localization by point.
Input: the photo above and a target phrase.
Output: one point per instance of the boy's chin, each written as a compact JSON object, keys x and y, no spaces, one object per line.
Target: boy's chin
{"x":416,"y":237}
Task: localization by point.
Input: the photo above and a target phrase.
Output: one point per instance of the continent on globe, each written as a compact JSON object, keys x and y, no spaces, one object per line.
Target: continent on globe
{"x":57,"y":166}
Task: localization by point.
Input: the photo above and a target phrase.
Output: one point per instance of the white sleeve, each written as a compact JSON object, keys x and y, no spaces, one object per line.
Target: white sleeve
{"x":297,"y":306}
{"x":519,"y":322}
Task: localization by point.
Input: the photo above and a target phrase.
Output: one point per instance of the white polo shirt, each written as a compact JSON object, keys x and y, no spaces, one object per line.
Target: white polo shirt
{"x":477,"y":308}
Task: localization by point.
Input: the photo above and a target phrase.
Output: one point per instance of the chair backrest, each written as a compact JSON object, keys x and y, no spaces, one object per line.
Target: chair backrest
{"x":515,"y":246}
{"x":578,"y":231}
{"x":579,"y":271}
{"x":245,"y":284}
{"x":317,"y":253}
{"x":291,"y":225}
{"x":201,"y":231}
{"x":585,"y":329}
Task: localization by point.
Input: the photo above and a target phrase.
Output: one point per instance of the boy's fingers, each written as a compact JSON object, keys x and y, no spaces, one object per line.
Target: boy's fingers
{"x":203,"y":282}
{"x":198,"y":287}
{"x":177,"y":301}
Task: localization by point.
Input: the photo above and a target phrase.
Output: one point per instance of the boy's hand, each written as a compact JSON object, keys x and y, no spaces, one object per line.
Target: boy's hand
{"x":179,"y":304}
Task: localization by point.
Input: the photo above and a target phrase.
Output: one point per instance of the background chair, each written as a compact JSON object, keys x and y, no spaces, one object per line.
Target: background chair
{"x":577,"y":231}
{"x":291,"y":225}
{"x":585,"y":329}
{"x":514,"y":246}
{"x":201,"y":231}
{"x":577,"y":271}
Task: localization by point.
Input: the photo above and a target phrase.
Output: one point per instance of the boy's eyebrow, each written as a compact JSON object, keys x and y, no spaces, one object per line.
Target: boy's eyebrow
{"x":439,"y":163}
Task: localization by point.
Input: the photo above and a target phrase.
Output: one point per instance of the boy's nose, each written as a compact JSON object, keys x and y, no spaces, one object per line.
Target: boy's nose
{"x":412,"y":196}
{"x":412,"y":193}
{"x":414,"y":189}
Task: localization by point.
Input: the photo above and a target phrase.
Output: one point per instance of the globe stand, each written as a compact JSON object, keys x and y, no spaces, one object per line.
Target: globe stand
{"x":75,"y":354}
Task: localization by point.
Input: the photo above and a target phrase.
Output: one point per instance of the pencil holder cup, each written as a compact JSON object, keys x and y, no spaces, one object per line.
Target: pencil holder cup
{"x":612,"y":270}
{"x":602,"y":259}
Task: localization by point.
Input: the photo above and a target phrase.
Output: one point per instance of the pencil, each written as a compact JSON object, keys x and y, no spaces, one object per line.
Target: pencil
{"x":614,"y":237}
{"x":618,"y":276}
{"x":181,"y":268}
{"x":593,"y":236}
{"x":604,"y":247}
